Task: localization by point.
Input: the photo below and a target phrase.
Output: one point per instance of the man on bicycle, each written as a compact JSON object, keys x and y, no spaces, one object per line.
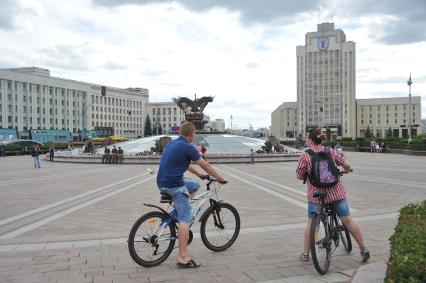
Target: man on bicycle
{"x":174,"y":162}
{"x":336,"y":195}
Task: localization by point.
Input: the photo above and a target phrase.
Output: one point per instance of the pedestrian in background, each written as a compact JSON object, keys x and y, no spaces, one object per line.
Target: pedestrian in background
{"x":35,"y":153}
{"x":252,"y":156}
{"x":51,"y":152}
{"x":2,"y":151}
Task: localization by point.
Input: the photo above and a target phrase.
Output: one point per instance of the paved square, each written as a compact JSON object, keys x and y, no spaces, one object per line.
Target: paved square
{"x":69,"y":222}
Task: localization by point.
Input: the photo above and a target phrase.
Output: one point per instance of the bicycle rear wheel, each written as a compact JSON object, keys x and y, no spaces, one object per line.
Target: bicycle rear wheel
{"x":320,"y":243}
{"x":220,"y":228}
{"x":146,"y":247}
{"x":344,"y":235}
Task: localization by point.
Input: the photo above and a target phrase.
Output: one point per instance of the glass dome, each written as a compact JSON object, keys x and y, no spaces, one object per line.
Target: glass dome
{"x":214,"y":143}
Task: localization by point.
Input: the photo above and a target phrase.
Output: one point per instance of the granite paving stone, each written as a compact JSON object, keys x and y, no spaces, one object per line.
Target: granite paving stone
{"x":89,"y":245}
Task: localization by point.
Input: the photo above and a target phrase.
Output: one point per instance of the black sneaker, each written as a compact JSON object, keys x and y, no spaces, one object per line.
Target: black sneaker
{"x":365,"y":255}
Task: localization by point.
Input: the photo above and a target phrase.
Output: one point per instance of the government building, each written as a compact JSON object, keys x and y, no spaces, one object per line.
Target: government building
{"x":326,"y":96}
{"x":165,"y":116}
{"x":32,"y":102}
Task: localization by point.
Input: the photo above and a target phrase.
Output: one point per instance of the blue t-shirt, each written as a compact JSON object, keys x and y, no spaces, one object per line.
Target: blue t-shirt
{"x":174,"y":162}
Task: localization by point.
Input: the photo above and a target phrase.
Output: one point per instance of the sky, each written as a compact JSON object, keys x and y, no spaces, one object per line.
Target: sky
{"x":242,"y":52}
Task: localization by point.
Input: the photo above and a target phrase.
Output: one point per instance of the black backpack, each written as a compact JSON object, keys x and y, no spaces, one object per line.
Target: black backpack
{"x":324,"y":173}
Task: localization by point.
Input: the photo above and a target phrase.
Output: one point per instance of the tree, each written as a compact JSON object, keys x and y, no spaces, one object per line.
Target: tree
{"x":147,"y":129}
{"x":389,"y":133}
{"x":368,"y":133}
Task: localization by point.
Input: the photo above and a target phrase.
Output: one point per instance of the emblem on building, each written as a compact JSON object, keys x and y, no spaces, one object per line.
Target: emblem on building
{"x":323,"y":43}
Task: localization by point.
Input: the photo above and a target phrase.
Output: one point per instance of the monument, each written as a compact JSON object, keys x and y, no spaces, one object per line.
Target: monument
{"x":193,"y":109}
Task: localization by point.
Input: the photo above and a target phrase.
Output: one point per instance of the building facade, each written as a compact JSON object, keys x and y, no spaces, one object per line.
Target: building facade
{"x":31,"y":99}
{"x":326,"y":82}
{"x":326,"y":95}
{"x":122,"y":110}
{"x":382,"y":114}
{"x":377,"y":114}
{"x":284,"y":121}
{"x":166,"y":114}
{"x":218,"y":125}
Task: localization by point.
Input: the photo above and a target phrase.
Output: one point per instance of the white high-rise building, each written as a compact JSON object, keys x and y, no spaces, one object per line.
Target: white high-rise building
{"x":326,"y":82}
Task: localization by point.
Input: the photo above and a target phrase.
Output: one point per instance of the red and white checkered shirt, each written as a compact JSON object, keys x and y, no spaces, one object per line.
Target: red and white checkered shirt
{"x":334,"y":193}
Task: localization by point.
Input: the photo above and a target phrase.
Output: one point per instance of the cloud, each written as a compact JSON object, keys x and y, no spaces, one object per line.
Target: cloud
{"x":387,"y":80}
{"x":68,"y":57}
{"x":114,"y":66}
{"x":14,"y":13}
{"x":401,"y":22}
{"x":252,"y":11}
{"x":154,"y":73}
{"x":252,"y":65}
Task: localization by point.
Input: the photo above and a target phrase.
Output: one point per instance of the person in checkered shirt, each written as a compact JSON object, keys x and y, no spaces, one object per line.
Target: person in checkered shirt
{"x":336,"y":195}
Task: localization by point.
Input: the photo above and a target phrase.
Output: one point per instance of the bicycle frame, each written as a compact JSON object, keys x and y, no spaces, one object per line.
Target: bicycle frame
{"x":199,"y":202}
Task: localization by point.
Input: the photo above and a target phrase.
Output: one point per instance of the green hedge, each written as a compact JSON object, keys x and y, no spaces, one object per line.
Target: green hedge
{"x":407,"y":262}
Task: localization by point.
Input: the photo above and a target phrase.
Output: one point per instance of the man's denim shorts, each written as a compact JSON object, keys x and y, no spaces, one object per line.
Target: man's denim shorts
{"x":181,"y":201}
{"x":341,"y":207}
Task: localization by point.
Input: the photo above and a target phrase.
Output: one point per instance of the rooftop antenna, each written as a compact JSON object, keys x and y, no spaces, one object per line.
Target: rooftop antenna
{"x":319,"y":15}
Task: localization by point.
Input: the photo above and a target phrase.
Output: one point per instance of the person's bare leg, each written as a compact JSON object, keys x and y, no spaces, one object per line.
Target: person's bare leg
{"x":354,"y":229}
{"x":183,"y":234}
{"x":306,"y":237}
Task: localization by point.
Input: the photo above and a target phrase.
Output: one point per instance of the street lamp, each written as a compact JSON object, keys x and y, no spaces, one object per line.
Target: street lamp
{"x":409,"y":82}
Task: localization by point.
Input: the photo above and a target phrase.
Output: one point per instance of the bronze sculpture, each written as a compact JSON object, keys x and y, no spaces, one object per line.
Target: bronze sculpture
{"x":196,"y":105}
{"x":194,"y":109}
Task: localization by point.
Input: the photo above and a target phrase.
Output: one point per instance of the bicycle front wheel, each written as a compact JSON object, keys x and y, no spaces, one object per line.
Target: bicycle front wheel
{"x":320,"y":244}
{"x":146,"y":247}
{"x":220,"y":228}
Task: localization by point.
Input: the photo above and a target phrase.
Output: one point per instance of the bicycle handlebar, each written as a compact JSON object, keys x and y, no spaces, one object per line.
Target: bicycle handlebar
{"x":341,"y":173}
{"x":211,"y":180}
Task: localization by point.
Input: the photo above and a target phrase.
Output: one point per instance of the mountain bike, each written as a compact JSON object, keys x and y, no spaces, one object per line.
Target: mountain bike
{"x":153,"y":236}
{"x":326,"y":233}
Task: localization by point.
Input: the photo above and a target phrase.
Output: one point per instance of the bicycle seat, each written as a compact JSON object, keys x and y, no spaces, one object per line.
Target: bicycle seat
{"x":165,"y":198}
{"x":320,"y":194}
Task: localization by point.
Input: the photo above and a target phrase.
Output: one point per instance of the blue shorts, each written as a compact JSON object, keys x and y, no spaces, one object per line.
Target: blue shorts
{"x":180,"y":196}
{"x":341,"y":207}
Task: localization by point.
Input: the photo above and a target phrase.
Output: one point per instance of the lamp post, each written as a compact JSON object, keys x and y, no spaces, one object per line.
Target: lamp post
{"x":409,"y":82}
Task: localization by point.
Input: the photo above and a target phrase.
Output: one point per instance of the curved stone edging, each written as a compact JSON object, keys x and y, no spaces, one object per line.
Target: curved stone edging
{"x":370,"y":273}
{"x":156,"y":159}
